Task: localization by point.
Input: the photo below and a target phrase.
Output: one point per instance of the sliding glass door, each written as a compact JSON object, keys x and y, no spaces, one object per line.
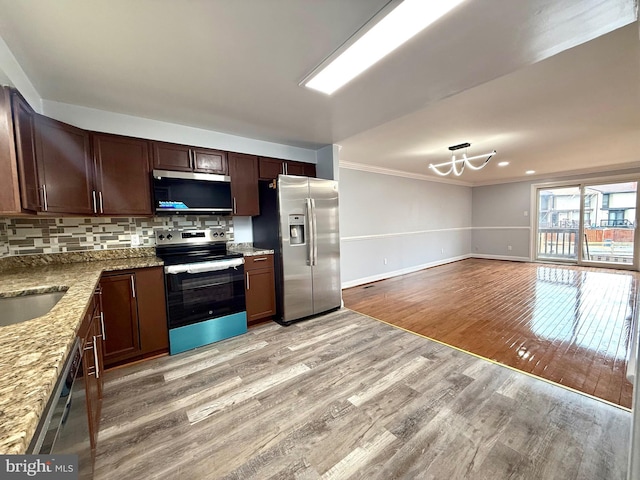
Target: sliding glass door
{"x":610,"y":223}
{"x":587,"y":224}
{"x":558,"y":223}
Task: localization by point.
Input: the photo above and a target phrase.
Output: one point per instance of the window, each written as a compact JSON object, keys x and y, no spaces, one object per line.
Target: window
{"x":605,"y":201}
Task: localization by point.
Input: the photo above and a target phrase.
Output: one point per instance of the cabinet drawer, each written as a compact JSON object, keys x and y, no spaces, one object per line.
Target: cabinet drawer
{"x":255,"y":262}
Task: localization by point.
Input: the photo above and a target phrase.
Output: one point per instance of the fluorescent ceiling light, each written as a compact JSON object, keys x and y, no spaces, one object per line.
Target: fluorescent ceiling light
{"x":503,"y":164}
{"x":402,"y":23}
{"x":530,"y":172}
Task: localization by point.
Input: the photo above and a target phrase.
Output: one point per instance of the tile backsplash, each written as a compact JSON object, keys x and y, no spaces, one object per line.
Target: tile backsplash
{"x":25,"y":236}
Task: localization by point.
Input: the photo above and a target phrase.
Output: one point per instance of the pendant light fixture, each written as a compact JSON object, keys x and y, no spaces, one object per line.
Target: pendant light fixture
{"x":457,"y":165}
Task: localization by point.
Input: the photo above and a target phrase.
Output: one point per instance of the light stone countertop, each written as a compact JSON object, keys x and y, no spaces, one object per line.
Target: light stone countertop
{"x":32,"y":353}
{"x":247,"y":249}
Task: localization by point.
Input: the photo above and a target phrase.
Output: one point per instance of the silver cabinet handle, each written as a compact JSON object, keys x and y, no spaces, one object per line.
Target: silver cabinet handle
{"x":104,"y":332}
{"x":44,"y":197}
{"x":95,"y":356}
{"x":100,"y":198}
{"x":235,"y":209}
{"x":93,"y":346}
{"x":261,"y":259}
{"x":247,"y":275}
{"x":133,"y":287}
{"x":95,"y":206}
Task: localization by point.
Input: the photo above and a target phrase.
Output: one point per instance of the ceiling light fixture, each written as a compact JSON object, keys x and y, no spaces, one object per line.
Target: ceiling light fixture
{"x":392,"y":26}
{"x":530,"y":172}
{"x":503,"y":164}
{"x":465,"y":161}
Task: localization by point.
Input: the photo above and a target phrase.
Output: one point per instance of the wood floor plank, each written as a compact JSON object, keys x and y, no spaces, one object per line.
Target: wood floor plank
{"x":569,"y":325}
{"x":372,"y":402}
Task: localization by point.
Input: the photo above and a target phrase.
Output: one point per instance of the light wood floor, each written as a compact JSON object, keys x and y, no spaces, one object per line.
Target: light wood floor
{"x":570,"y":325}
{"x":346,"y":396}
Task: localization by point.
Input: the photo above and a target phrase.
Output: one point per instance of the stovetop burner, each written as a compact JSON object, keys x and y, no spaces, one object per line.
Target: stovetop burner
{"x":178,"y":246}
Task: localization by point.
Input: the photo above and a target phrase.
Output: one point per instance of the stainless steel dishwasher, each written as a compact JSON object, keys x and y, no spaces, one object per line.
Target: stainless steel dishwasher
{"x":64,"y":426}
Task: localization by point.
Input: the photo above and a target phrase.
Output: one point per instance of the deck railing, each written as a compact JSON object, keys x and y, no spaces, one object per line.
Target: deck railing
{"x":557,"y":242}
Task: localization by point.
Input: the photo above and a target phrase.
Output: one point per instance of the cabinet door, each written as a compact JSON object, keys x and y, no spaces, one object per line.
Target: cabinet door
{"x":244,"y":184}
{"x":260,"y":294}
{"x":296,"y":168}
{"x":122,"y":175}
{"x":152,"y":310}
{"x":170,"y":156}
{"x":309,"y":170}
{"x":92,"y":376}
{"x":9,"y":184}
{"x":120,"y":317}
{"x":209,"y":161}
{"x":24,"y":131}
{"x":270,"y":168}
{"x":64,"y":167}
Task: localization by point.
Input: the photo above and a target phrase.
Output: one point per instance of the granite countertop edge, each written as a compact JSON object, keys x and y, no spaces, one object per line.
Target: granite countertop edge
{"x":32,"y":353}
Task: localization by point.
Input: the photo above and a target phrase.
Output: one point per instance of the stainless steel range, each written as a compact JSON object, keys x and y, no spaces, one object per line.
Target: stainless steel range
{"x":204,"y":286}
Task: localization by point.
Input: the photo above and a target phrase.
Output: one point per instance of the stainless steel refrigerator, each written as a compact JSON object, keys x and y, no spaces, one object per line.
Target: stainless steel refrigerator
{"x":299,"y":221}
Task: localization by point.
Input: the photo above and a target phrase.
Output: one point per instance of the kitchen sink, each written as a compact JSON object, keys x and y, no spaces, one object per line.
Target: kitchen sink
{"x":27,"y":306}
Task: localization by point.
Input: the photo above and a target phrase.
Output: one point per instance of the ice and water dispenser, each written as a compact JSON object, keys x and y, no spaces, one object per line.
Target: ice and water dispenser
{"x":296,"y":230}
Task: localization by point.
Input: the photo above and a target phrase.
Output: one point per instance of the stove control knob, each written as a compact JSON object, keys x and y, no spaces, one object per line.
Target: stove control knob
{"x":222,"y":234}
{"x":160,"y":237}
{"x":215,"y":234}
{"x":169,"y":237}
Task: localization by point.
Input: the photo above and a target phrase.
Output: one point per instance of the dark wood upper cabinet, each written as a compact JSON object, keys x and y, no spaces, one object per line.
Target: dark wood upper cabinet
{"x":122,"y":180}
{"x":243,"y":170}
{"x":309,"y":170}
{"x":24,"y":130}
{"x":64,"y":167}
{"x":9,"y":184}
{"x":209,"y":161}
{"x":169,"y":156}
{"x":270,"y":168}
{"x":182,"y":158}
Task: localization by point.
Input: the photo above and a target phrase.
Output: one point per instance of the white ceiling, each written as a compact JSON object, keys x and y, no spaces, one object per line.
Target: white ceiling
{"x":233,"y":66}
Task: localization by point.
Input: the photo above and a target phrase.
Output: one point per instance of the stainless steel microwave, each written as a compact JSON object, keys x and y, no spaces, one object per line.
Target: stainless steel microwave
{"x":176,"y":193}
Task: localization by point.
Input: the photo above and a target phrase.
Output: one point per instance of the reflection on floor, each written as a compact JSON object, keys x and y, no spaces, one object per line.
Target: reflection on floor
{"x":570,"y":325}
{"x":345,"y":396}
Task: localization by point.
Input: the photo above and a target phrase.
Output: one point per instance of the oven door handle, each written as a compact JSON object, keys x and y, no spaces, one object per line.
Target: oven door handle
{"x":203,"y":267}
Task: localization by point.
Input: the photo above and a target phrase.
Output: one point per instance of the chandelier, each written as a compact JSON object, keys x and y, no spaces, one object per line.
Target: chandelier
{"x":456,"y":165}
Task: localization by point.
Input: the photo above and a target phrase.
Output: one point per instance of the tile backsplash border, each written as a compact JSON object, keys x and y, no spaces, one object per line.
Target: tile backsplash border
{"x":28,"y":236}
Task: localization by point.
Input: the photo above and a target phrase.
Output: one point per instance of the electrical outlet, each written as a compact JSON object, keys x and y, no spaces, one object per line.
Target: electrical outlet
{"x":135,"y":240}
{"x":526,"y":213}
{"x":509,"y":247}
{"x":385,"y":261}
{"x":442,"y":250}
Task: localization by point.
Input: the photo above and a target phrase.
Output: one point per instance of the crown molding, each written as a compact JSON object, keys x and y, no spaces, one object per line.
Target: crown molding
{"x":400,"y":173}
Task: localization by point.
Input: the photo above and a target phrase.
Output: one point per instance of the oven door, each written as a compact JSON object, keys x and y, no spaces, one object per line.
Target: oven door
{"x":202,"y":291}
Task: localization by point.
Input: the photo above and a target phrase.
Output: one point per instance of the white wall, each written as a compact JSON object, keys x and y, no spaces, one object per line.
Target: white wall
{"x":408,"y":222}
{"x":499,"y":220}
{"x":110,"y":122}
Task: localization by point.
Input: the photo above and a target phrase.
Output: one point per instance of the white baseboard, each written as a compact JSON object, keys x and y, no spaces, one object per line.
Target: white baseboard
{"x":499,"y":257}
{"x":404,"y":271}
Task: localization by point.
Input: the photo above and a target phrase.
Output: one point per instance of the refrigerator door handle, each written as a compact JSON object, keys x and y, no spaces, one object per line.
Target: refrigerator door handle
{"x":314,"y":229}
{"x":310,"y":238}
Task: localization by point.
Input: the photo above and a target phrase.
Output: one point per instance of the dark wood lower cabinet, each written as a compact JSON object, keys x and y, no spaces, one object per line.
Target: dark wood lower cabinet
{"x":259,"y":288}
{"x":122,"y":336}
{"x":135,"y":318}
{"x":92,"y":366}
